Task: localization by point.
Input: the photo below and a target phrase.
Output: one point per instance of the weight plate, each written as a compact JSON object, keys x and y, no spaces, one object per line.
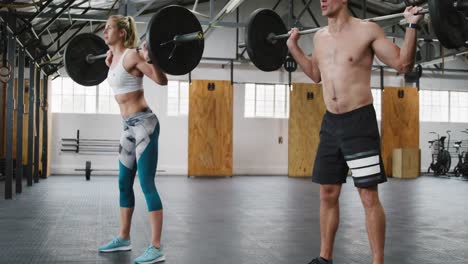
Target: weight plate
{"x":448,"y":23}
{"x":164,"y":26}
{"x":266,"y":55}
{"x":82,"y":72}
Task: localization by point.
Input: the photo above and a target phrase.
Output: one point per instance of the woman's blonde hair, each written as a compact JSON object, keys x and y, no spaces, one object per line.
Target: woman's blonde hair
{"x":127,"y":23}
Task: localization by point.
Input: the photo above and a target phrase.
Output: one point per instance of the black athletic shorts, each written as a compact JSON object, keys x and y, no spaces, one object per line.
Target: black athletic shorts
{"x":350,"y":141}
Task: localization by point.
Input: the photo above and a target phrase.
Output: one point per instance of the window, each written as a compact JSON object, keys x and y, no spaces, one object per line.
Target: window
{"x":106,"y":100}
{"x":266,"y":100}
{"x":70,"y":97}
{"x":177,"y":98}
{"x":459,"y":107}
{"x":377,"y":95}
{"x":434,"y":106}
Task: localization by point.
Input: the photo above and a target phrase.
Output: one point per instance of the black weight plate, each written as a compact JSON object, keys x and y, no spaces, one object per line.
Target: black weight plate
{"x":164,"y":25}
{"x":448,"y":23}
{"x":82,"y":72}
{"x":267,"y":56}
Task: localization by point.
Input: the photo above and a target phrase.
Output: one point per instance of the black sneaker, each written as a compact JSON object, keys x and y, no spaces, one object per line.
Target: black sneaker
{"x":320,"y":260}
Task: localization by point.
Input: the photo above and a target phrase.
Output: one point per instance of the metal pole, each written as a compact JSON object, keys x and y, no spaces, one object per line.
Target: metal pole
{"x":311,"y":14}
{"x":291,"y":13}
{"x":68,"y":40}
{"x":382,"y":78}
{"x":37,"y":86}
{"x":276,"y":5}
{"x":19,"y":122}
{"x":237,"y":34}
{"x":9,"y":110}
{"x":52,"y":20}
{"x":29,"y":172}
{"x":232,"y":72}
{"x":212,"y":7}
{"x":16,"y":39}
{"x":388,"y":17}
{"x":303,"y":32}
{"x":29,"y":26}
{"x":4,"y":51}
{"x":41,"y":10}
{"x":364,"y":9}
{"x":59,"y":36}
{"x":306,"y":5}
{"x":45,"y":107}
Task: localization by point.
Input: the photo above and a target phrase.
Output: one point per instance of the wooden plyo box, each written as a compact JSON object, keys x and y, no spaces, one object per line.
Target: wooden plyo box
{"x":406,"y":163}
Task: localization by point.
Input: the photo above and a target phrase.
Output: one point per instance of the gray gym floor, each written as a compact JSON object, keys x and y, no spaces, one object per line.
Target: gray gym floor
{"x":258,"y":220}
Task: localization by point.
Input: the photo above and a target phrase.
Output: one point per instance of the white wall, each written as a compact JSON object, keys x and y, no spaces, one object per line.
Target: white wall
{"x":256,"y":142}
{"x":256,"y":148}
{"x":173,"y":152}
{"x":91,"y":127}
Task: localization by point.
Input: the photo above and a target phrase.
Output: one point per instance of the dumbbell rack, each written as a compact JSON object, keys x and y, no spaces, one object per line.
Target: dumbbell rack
{"x":87,"y":146}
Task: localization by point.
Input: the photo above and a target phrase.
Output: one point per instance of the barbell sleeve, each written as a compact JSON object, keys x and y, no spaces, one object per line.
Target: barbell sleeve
{"x":185,"y":38}
{"x":188,"y":37}
{"x":91,"y":58}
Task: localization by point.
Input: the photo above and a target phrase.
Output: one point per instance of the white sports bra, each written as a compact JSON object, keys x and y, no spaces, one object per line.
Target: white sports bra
{"x":121,"y":81}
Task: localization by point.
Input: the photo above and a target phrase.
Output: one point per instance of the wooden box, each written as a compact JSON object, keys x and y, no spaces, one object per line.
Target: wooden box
{"x":406,"y":163}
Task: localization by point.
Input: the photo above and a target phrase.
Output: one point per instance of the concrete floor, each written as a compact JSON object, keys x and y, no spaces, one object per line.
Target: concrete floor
{"x":244,"y":219}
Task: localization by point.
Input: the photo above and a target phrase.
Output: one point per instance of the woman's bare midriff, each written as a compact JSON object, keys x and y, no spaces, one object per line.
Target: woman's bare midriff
{"x":131,"y":103}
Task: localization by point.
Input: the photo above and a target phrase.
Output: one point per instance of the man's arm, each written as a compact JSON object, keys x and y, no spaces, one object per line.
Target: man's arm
{"x":401,"y":59}
{"x":308,"y":64}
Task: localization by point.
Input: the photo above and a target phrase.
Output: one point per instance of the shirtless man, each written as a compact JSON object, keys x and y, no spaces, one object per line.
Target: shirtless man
{"x":349,"y":136}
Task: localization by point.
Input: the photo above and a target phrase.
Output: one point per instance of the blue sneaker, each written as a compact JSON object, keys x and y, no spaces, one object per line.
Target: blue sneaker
{"x":151,"y":255}
{"x":117,"y":244}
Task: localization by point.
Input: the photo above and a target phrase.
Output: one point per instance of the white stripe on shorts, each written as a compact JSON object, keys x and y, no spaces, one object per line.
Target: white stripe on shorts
{"x":367,"y":171}
{"x":364,"y":162}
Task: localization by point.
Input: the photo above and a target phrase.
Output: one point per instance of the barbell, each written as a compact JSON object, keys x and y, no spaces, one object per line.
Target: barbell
{"x":174,"y":39}
{"x":373,"y":19}
{"x":266,"y":33}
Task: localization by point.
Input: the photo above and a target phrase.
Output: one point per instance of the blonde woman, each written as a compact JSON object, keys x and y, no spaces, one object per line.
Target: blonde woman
{"x":139,"y":141}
